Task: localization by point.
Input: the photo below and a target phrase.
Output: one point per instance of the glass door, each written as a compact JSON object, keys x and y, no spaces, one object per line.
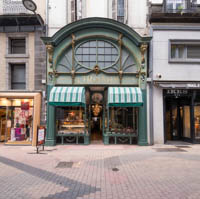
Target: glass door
{"x":186,"y":121}
{"x":174,"y":122}
{"x":197,"y":122}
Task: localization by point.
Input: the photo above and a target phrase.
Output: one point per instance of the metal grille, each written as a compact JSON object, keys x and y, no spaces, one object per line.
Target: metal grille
{"x":13,"y":7}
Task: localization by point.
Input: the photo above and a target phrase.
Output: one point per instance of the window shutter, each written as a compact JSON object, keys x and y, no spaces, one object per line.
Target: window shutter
{"x":72,"y":10}
{"x":79,"y":9}
{"x":126,"y":11}
{"x":114,"y":9}
{"x":193,"y":52}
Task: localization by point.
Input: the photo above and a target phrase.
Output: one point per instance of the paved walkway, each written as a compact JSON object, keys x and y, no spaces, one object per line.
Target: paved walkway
{"x":100,"y":172}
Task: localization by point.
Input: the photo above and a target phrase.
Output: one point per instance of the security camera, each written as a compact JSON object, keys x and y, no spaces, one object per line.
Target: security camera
{"x":159,"y":75}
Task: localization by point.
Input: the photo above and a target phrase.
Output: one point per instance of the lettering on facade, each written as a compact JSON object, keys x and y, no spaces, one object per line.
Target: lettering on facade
{"x":177,"y":92}
{"x":197,"y":85}
{"x":96,"y":79}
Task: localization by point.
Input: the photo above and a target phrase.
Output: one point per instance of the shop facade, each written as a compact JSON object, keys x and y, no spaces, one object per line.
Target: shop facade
{"x":96,"y":85}
{"x":19,"y":117}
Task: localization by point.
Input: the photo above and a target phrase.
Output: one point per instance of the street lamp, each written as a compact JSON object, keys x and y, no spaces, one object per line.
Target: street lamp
{"x":30,"y":5}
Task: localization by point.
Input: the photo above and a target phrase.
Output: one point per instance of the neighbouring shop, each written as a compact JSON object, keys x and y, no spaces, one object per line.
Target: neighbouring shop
{"x":182,"y":114}
{"x":19,"y":117}
{"x":96,"y":84}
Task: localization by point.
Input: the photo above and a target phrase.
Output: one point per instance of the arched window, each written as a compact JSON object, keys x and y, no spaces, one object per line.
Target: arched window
{"x":99,"y":53}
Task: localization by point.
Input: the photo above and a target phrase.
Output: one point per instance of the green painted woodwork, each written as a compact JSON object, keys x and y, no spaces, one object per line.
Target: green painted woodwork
{"x":93,"y":79}
{"x":69,"y":37}
{"x":95,"y":22}
{"x":142,"y":135}
{"x":50,"y":135}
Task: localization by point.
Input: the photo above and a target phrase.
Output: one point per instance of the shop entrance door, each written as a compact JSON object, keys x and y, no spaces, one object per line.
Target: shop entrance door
{"x":96,"y":112}
{"x":177,"y":120}
{"x":2,"y":123}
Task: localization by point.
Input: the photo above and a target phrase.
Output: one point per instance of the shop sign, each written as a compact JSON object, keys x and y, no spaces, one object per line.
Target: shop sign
{"x":41,"y":136}
{"x":195,"y":85}
{"x":177,"y":92}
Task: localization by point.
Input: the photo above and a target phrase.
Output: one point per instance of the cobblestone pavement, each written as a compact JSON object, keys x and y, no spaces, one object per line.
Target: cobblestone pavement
{"x":100,"y":172}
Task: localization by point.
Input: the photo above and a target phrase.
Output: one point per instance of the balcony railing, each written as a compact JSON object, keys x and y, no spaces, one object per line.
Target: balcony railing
{"x":176,"y":6}
{"x":12,"y":7}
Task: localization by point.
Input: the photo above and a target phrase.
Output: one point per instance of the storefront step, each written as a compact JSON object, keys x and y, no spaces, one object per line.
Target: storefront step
{"x":21,"y":143}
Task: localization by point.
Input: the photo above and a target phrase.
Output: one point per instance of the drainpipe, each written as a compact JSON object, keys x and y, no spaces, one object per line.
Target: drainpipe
{"x":47,"y":18}
{"x":151,"y":119}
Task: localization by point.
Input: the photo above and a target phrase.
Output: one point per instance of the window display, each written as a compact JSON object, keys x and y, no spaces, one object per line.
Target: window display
{"x":19,"y":119}
{"x":70,"y":120}
{"x":123,"y":120}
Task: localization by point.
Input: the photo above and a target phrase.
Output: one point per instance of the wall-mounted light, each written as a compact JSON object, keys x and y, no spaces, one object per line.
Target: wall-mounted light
{"x":30,"y":5}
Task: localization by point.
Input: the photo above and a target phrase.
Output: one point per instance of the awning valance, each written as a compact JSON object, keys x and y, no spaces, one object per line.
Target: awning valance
{"x":125,"y":96}
{"x":67,"y":96}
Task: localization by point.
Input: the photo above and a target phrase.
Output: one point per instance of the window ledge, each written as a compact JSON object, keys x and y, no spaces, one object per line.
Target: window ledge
{"x":191,"y":61}
{"x":16,"y":56}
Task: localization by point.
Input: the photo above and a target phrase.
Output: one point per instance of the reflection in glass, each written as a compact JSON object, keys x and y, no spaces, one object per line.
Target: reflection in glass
{"x":197,"y":121}
{"x":174,"y":121}
{"x":186,"y":122}
{"x":123,"y":120}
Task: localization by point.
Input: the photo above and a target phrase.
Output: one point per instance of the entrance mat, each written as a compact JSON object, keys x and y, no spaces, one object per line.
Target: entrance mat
{"x":179,"y":146}
{"x":64,"y":165}
{"x":170,"y":150}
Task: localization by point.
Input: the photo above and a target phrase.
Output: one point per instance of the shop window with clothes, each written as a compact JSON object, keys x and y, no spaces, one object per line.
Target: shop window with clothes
{"x":123,"y":120}
{"x":189,"y":52}
{"x":16,"y":120}
{"x":70,"y":122}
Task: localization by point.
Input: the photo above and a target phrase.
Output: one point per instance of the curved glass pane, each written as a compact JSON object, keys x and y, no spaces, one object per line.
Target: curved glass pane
{"x":99,"y":52}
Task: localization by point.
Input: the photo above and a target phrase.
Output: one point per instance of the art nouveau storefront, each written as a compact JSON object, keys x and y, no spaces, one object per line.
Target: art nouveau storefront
{"x":96,"y":84}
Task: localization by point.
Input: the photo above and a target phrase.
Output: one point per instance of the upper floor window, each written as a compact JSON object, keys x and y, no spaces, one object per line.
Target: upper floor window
{"x":185,"y":52}
{"x":17,"y":45}
{"x":18,"y":74}
{"x":76,"y":10}
{"x":176,"y":5}
{"x":120,"y":11}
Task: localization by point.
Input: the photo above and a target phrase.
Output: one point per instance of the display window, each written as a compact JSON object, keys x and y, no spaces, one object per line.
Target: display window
{"x":16,"y":117}
{"x":123,"y":120}
{"x":71,"y":120}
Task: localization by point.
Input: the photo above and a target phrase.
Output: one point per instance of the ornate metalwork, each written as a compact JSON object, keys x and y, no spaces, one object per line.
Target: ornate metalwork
{"x":96,"y":69}
{"x":50,"y":53}
{"x":73,"y":46}
{"x":53,"y":74}
{"x":143,"y":49}
{"x":108,"y":58}
{"x":96,"y":109}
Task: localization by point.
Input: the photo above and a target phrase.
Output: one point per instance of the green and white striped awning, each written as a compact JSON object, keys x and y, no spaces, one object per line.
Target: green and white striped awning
{"x":125,"y":96}
{"x":67,"y":96}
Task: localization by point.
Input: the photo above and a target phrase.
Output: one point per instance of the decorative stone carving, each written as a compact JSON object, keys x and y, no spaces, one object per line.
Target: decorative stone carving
{"x":96,"y":69}
{"x":143,"y":49}
{"x":50,"y":52}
